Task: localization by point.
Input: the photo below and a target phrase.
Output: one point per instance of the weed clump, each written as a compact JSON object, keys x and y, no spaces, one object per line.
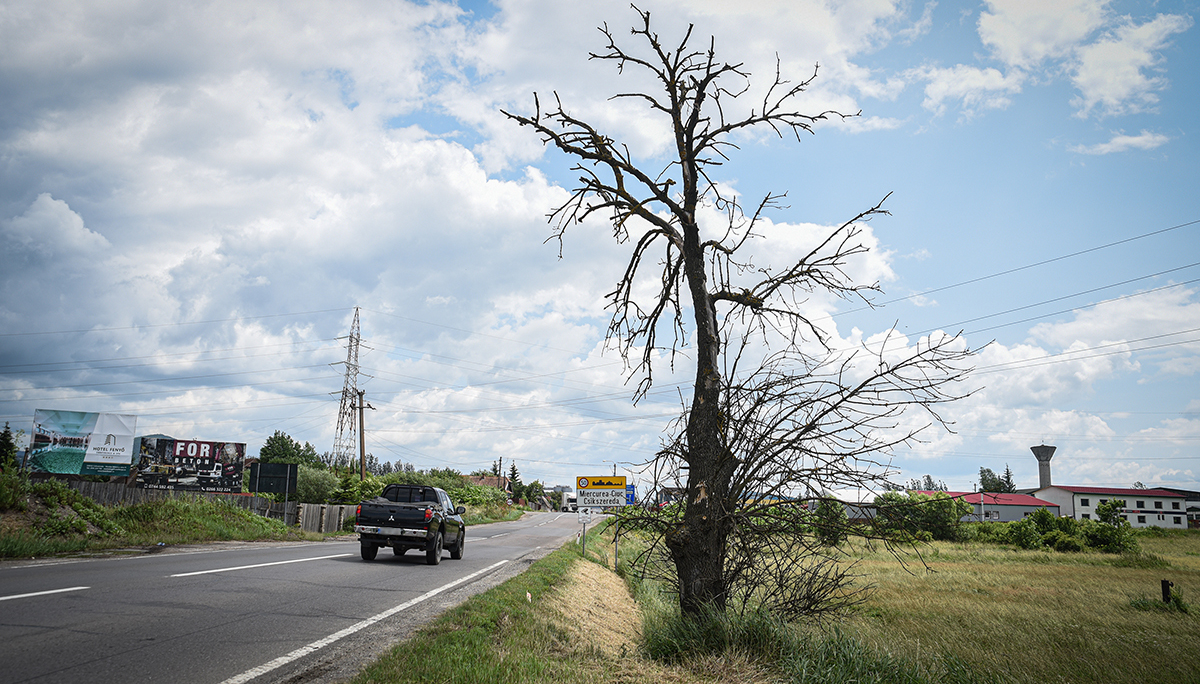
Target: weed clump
{"x":1175,"y":605}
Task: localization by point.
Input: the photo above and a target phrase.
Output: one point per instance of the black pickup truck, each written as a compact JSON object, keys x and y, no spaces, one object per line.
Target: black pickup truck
{"x":411,"y":517}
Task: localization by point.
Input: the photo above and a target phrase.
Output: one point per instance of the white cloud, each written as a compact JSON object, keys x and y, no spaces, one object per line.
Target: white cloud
{"x":976,"y":88}
{"x":1111,"y":73}
{"x":1121,"y":143}
{"x":921,"y":26}
{"x":49,"y":228}
{"x":1023,"y":34}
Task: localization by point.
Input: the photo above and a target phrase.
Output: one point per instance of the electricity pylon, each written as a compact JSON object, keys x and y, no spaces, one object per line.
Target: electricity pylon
{"x":346,"y":442}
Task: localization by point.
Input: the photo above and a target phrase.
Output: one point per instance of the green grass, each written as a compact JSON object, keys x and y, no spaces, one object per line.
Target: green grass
{"x":506,"y":635}
{"x":75,"y":523}
{"x":1036,"y":616}
{"x":499,"y":636}
{"x":29,"y":545}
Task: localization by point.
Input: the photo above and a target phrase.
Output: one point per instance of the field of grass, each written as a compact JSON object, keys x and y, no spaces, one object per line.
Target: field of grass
{"x":974,"y":613}
{"x":1039,"y":616}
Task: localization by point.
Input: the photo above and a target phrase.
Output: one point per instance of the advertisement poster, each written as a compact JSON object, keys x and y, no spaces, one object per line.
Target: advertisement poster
{"x":190,"y":465}
{"x":81,"y":443}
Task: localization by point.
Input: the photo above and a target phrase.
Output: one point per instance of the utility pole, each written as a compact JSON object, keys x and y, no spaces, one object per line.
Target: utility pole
{"x":362,"y":437}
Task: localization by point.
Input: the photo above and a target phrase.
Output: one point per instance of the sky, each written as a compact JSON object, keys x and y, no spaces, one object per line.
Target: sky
{"x":195,"y":197}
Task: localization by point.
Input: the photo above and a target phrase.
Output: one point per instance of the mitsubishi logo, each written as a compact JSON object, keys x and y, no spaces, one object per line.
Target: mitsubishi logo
{"x":391,"y":518}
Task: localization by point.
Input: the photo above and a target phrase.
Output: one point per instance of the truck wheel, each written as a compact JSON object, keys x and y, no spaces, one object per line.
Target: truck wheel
{"x":369,"y":551}
{"x":433,"y":550}
{"x":456,"y":551}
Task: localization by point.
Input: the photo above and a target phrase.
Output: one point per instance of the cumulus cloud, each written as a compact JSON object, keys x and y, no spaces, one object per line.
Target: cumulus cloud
{"x":1023,"y":34}
{"x":976,"y":88}
{"x":1111,"y":73}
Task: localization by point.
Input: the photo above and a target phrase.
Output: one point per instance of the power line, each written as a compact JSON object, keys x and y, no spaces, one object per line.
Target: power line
{"x":1026,"y":267}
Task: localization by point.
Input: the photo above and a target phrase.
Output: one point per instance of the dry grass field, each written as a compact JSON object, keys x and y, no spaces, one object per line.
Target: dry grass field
{"x":1038,"y":616}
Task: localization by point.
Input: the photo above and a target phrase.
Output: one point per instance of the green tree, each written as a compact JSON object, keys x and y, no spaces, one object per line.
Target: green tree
{"x":831,"y":522}
{"x":1112,"y":533}
{"x":514,"y":482}
{"x":280,"y":448}
{"x":315,"y":485}
{"x":1001,"y":484}
{"x":8,"y":449}
{"x":939,"y":516}
{"x":927,"y":484}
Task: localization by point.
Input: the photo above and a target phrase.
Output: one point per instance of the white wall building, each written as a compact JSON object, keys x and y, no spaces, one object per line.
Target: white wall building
{"x":1143,"y":507}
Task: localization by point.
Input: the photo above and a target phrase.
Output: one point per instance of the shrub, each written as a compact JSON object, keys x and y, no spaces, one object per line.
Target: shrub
{"x":831,"y":522}
{"x":1024,"y":534}
{"x":903,"y":516}
{"x":1109,"y":538}
{"x":991,"y":532}
{"x":1044,"y":520}
{"x":1062,"y":542}
{"x":315,"y":485}
{"x":14,"y":490}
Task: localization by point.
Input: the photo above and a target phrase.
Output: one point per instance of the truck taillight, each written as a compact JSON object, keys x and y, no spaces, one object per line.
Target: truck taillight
{"x":428,"y":514}
{"x":358,"y":511}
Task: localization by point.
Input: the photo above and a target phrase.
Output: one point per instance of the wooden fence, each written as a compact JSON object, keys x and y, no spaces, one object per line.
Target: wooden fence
{"x":325,"y":518}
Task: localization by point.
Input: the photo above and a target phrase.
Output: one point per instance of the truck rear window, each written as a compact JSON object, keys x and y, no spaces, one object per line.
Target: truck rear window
{"x":410,"y":494}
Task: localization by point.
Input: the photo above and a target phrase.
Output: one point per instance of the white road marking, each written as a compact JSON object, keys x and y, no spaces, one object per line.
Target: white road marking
{"x":42,"y":593}
{"x":316,"y":645}
{"x":259,"y":565}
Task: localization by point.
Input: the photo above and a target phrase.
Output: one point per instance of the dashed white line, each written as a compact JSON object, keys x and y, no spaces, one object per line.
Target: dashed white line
{"x":259,"y":565}
{"x":41,"y":593}
{"x":316,"y":645}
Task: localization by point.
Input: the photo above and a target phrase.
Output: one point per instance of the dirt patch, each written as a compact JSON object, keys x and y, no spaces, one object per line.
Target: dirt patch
{"x":598,"y":610}
{"x":30,"y":520}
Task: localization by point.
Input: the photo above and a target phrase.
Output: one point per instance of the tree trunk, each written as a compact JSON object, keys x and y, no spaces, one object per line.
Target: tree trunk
{"x":698,"y":544}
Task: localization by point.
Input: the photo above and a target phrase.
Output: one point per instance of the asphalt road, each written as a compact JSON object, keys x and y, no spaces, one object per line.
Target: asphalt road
{"x":243,"y":612}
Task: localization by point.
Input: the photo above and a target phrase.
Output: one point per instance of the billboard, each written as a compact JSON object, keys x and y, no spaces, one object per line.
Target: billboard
{"x":189,"y":465}
{"x":81,"y":443}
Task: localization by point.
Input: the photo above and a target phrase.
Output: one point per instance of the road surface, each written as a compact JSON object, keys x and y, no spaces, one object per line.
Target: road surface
{"x":243,"y":612}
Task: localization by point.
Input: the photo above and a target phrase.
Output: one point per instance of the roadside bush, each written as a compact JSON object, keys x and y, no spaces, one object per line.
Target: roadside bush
{"x":1116,"y":537}
{"x":475,"y":495}
{"x":83,"y":511}
{"x":315,"y":485}
{"x":1024,"y":534}
{"x":352,"y":490}
{"x":1045,"y":521}
{"x":989,"y":532}
{"x":1060,"y":541}
{"x":14,"y":490}
{"x":1067,"y":525}
{"x":831,"y":522}
{"x":938,"y":516}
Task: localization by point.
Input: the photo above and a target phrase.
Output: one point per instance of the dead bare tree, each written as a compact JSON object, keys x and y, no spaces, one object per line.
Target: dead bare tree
{"x":806,"y":414}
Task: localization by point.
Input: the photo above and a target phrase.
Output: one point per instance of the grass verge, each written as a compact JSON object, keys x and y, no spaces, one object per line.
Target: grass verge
{"x":554,"y":623}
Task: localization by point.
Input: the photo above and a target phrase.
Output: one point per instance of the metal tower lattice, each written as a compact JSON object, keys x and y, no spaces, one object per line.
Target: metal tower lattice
{"x":345,"y":444}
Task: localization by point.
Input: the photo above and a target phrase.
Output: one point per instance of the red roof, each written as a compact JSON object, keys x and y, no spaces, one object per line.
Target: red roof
{"x":1117,"y":491}
{"x":998,"y":499}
